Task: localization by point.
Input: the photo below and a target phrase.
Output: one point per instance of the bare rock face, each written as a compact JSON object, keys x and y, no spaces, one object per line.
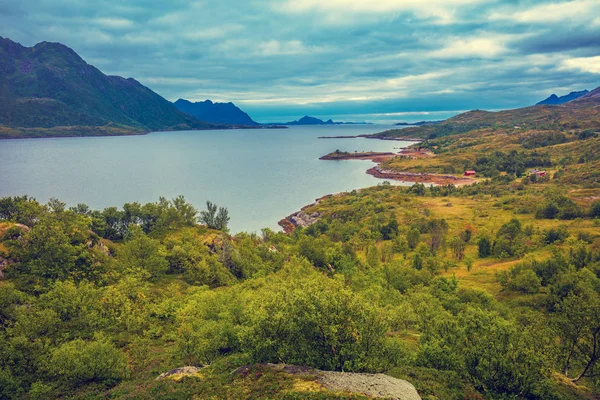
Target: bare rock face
{"x":372,"y":385}
{"x":179,"y":373}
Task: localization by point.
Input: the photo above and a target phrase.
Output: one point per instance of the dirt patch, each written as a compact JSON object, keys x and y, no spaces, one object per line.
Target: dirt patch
{"x":420,"y":178}
{"x":415,"y":153}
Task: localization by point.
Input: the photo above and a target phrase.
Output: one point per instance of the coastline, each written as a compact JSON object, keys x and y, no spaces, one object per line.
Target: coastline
{"x":304,"y":219}
{"x":91,"y":131}
{"x":398,"y":139}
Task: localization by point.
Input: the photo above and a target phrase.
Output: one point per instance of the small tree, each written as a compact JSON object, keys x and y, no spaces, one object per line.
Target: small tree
{"x":484,"y":247}
{"x":595,"y":210}
{"x":215,"y":217}
{"x":458,"y":246}
{"x":413,"y":238}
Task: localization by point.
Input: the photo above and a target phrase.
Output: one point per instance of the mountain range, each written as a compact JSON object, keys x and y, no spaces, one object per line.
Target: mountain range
{"x":554,"y":99}
{"x":217,"y":113}
{"x":49,"y":90}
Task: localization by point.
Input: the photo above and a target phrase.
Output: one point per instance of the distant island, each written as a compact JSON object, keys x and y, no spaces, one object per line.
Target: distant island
{"x":554,"y":99}
{"x":420,"y":123}
{"x":307,"y":120}
{"x":217,"y":113}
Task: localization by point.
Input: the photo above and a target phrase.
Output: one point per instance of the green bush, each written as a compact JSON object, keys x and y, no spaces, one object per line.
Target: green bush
{"x":314,"y":320}
{"x":78,"y":362}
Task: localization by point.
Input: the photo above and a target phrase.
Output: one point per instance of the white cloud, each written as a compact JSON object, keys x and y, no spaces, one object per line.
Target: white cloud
{"x":114,"y":23}
{"x":480,"y":47}
{"x":216,"y":32}
{"x":247,"y":48}
{"x":291,"y":47}
{"x":575,"y":10}
{"x":337,"y":11}
{"x":584,"y":64}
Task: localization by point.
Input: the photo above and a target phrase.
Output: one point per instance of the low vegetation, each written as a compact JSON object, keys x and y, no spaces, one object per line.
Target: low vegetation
{"x":487,"y":291}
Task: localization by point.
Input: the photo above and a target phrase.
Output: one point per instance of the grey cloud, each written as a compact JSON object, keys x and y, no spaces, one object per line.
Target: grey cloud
{"x":279,"y":64}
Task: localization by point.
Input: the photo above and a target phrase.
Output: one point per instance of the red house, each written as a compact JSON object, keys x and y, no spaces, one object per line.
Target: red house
{"x":470,"y":173}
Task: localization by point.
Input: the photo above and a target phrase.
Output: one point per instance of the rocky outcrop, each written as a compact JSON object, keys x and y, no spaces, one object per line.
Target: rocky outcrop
{"x":301,"y":218}
{"x":371,"y":385}
{"x":179,"y":373}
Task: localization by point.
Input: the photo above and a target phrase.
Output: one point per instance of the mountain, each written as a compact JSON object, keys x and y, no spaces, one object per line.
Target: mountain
{"x":218,"y":113}
{"x":593,"y":96}
{"x":554,"y":99}
{"x":580,"y":114}
{"x":49,"y":90}
{"x":306,"y":120}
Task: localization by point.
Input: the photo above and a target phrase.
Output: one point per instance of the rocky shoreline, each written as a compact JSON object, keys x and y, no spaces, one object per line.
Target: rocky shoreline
{"x":417,"y":177}
{"x":305,"y":219}
{"x":302,"y":218}
{"x":401,"y":139}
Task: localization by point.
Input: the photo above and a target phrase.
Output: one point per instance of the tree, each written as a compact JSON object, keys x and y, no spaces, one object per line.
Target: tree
{"x":44,"y":252}
{"x":141,"y":253}
{"x":390,"y":230}
{"x":458,"y":246}
{"x":484,"y":247}
{"x":215,"y":217}
{"x":302,"y":317}
{"x":595,"y":209}
{"x":437,"y":229}
{"x":413,"y":238}
{"x":578,"y":325}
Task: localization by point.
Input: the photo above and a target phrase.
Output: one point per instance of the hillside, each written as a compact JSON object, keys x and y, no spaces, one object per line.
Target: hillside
{"x":48,"y":90}
{"x":554,"y":99}
{"x":564,"y":138}
{"x":580,"y":114}
{"x":217,"y":113}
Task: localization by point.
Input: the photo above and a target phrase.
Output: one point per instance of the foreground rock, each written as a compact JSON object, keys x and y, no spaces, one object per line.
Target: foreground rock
{"x":372,"y":385}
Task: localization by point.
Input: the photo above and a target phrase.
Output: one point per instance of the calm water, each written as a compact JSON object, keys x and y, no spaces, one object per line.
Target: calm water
{"x":259,"y":175}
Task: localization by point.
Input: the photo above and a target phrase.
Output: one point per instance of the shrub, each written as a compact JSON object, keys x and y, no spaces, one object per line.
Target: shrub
{"x":79,"y":362}
{"x":526,"y":281}
{"x":485,"y":247}
{"x":314,"y":320}
{"x":558,"y":234}
{"x":595,"y":209}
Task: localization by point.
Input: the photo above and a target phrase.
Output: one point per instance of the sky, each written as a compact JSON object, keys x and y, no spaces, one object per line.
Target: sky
{"x":350,"y":60}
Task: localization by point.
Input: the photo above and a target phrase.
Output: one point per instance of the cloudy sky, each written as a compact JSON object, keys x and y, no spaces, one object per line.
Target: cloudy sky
{"x":384,"y":60}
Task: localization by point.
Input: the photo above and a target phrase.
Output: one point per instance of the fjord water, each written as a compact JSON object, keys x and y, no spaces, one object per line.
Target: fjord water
{"x":261,"y":176}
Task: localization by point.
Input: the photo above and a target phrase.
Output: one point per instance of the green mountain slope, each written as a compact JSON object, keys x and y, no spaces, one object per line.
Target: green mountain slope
{"x":582,"y":113}
{"x":48,"y":86}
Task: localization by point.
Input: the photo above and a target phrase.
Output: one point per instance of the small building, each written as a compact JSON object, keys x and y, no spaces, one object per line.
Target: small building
{"x":537,"y":172}
{"x":470,"y":173}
